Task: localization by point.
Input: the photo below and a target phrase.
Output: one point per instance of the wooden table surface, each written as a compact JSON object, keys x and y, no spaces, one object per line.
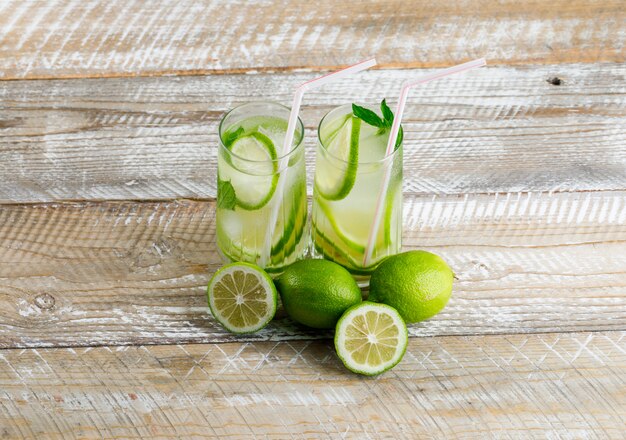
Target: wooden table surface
{"x":514,"y":173}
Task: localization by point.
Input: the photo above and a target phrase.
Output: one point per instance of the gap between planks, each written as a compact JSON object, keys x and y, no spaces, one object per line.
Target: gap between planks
{"x":497,"y":129}
{"x":524,"y":263}
{"x":524,"y":386}
{"x":118,"y":37}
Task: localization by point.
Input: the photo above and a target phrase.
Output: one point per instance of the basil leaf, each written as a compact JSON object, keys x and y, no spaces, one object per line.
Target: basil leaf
{"x":387,"y":113}
{"x":226,"y":197}
{"x":367,"y":116}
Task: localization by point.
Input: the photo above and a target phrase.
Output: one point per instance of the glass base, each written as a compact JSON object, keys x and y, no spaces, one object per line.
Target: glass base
{"x":363,"y":281}
{"x":273,"y":272}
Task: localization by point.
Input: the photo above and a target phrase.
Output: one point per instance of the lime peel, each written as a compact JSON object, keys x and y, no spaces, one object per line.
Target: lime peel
{"x":335,"y":185}
{"x":253,"y":154}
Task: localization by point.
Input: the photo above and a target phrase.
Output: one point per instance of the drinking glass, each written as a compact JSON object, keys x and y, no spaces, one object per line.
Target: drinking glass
{"x":249,"y":166}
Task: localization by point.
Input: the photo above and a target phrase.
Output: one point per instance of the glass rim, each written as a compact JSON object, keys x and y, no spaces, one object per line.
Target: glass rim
{"x":293,"y":150}
{"x":373,"y":162}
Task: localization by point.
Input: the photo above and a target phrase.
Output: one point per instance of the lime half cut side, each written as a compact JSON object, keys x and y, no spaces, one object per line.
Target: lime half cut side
{"x":335,"y":182}
{"x":242,"y":297}
{"x":253,"y":170}
{"x":371,"y":338}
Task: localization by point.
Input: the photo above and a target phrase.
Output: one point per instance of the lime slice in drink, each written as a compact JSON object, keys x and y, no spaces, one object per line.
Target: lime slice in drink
{"x":252,"y":170}
{"x":333,"y":128}
{"x":335,"y":183}
{"x":242,"y":297}
{"x":370,"y":338}
{"x":240,"y":233}
{"x":345,"y":237}
{"x":346,"y":257}
{"x":292,"y":227}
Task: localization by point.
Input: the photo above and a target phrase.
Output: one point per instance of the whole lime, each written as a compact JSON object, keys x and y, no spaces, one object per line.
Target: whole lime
{"x":317,"y":292}
{"x":418,"y":284}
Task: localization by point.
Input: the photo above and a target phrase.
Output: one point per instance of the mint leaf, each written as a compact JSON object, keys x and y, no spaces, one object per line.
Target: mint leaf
{"x":367,"y":116}
{"x":231,"y":137}
{"x":226,"y":197}
{"x":387,"y":113}
{"x":373,"y":119}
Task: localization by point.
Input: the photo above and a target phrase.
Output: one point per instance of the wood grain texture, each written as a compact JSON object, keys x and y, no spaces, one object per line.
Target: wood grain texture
{"x":522,"y":387}
{"x":135,"y":273}
{"x":72,"y":38}
{"x":492,"y":130}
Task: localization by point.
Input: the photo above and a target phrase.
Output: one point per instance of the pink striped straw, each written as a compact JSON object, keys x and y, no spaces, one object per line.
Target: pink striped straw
{"x":391,"y":142}
{"x":291,"y":129}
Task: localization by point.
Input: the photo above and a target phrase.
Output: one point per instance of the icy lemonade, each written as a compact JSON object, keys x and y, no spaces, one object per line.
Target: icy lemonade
{"x":248,"y":171}
{"x":350,"y":168}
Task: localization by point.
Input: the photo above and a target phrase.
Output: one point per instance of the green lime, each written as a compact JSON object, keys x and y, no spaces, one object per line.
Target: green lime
{"x":242,"y":297}
{"x":317,"y":292}
{"x":371,"y":338}
{"x":416,"y":283}
{"x":335,"y":182}
{"x":254,"y":170}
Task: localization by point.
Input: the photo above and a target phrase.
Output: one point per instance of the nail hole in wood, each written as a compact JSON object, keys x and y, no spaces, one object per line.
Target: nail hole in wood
{"x":555,"y":81}
{"x":44,"y":301}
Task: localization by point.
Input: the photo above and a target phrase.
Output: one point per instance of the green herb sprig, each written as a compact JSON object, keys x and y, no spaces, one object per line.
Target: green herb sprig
{"x":384,"y":124}
{"x":226,"y":197}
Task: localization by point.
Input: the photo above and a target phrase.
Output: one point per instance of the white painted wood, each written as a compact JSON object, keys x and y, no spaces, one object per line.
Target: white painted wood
{"x":517,"y":386}
{"x":516,"y":181}
{"x":73,"y":38}
{"x":498,"y":129}
{"x":135,"y":273}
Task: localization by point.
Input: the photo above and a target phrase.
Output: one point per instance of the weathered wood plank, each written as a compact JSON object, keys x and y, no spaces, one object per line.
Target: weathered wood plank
{"x":72,"y":38}
{"x":518,"y":386}
{"x":135,"y":273}
{"x":492,"y":130}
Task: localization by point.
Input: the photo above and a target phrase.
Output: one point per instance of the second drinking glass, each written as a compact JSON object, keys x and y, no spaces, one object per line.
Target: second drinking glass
{"x":350,"y":170}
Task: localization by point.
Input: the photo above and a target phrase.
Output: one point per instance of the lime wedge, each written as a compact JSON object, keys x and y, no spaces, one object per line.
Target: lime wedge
{"x":335,"y":183}
{"x":252,"y":171}
{"x":242,"y":297}
{"x":371,"y":338}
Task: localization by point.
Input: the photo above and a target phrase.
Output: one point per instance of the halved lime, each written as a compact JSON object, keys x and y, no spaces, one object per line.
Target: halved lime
{"x":371,"y":338}
{"x":242,"y":297}
{"x":335,"y":182}
{"x":252,"y":170}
